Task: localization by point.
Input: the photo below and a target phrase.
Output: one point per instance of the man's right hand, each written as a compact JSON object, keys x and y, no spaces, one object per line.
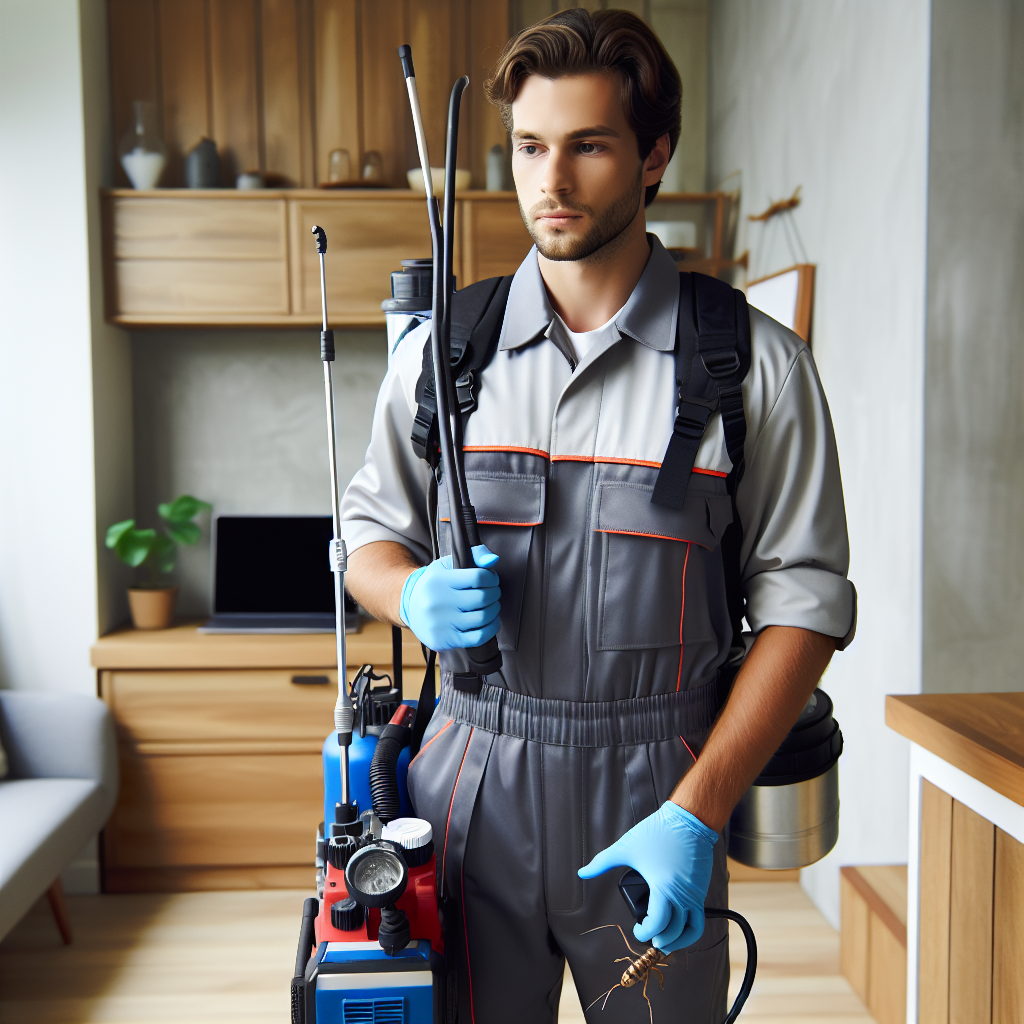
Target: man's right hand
{"x":448,"y":608}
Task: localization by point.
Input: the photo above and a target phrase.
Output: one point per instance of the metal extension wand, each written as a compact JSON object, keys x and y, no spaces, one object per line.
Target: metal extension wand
{"x":462,"y":519}
{"x":338,"y":555}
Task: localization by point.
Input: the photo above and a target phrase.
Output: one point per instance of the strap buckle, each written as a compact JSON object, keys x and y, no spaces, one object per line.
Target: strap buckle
{"x":721,"y":362}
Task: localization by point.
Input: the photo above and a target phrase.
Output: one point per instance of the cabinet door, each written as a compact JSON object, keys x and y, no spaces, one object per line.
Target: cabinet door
{"x":189,"y":258}
{"x":494,"y":239}
{"x":368,"y":236}
{"x":215,"y":810}
{"x":221,"y":706}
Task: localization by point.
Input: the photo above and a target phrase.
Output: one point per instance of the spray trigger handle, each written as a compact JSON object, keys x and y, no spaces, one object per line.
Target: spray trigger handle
{"x":636,"y":892}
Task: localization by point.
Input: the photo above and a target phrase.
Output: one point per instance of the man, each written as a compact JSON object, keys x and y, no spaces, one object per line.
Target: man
{"x":614,"y":621}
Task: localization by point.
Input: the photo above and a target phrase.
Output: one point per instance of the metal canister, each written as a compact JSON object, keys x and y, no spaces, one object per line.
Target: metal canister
{"x":789,"y":817}
{"x":412,"y":289}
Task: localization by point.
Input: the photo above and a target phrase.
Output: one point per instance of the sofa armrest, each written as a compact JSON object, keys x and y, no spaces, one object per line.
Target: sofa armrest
{"x":59,"y":735}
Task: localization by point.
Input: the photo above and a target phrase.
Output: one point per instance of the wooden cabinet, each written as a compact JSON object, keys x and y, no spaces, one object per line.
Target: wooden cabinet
{"x":219,"y":746}
{"x":235,"y":258}
{"x":230,"y":258}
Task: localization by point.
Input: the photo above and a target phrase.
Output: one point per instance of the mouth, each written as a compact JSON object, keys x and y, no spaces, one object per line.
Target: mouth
{"x":557,"y":218}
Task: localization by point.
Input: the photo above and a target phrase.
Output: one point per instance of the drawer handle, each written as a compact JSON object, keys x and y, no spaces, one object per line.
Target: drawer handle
{"x":311,"y":680}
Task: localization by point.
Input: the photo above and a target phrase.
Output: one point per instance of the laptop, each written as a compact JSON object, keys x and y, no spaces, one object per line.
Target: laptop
{"x":272,"y":574}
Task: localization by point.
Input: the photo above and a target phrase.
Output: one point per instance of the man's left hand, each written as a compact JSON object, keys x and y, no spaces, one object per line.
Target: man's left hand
{"x":673,"y":851}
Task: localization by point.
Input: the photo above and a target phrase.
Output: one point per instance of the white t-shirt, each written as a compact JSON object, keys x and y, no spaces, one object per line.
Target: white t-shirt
{"x":584,"y":341}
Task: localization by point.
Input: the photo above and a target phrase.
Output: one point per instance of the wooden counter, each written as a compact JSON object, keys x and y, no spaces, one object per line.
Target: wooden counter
{"x":965,"y":921}
{"x":219,"y":741}
{"x":982,"y":734}
{"x":183,"y":647}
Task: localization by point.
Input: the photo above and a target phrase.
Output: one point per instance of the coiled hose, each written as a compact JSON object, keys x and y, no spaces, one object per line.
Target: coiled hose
{"x":384,"y":765}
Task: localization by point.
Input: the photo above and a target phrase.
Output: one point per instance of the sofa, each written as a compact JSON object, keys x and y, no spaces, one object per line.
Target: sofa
{"x":59,"y":790}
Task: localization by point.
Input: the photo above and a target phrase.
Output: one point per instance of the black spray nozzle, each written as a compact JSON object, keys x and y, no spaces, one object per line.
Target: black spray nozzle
{"x":405,"y":54}
{"x":321,"y":239}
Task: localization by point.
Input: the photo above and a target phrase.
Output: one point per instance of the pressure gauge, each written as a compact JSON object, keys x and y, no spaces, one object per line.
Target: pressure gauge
{"x":376,"y":875}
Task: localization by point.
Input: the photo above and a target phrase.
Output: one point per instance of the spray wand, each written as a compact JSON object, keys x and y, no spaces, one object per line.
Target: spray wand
{"x":465,"y":535}
{"x":338,"y":555}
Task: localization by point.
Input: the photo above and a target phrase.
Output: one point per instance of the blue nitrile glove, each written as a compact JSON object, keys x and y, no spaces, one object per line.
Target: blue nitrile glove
{"x":448,"y":608}
{"x":672,"y":850}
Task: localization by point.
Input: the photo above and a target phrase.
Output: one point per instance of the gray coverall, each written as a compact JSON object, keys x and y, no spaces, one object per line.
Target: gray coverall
{"x":614,"y":625}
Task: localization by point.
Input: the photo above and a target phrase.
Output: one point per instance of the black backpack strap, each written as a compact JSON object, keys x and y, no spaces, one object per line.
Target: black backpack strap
{"x":712,"y":358}
{"x":477,"y":315}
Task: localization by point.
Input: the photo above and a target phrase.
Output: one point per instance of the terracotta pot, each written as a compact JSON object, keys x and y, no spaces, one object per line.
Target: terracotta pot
{"x":152,"y":608}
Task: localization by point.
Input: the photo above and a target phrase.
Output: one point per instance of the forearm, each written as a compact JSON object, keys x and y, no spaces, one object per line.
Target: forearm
{"x":376,"y":574}
{"x":771,"y":689}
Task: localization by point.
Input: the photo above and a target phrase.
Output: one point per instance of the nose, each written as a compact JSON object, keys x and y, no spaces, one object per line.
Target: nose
{"x":557,"y":178}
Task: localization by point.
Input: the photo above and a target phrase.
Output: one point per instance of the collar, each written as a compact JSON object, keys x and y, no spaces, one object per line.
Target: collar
{"x":648,"y":317}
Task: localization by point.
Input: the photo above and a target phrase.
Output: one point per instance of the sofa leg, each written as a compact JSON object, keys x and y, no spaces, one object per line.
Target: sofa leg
{"x":55,"y":894}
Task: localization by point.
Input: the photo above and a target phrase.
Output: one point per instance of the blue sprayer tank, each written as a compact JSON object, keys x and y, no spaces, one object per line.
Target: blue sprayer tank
{"x":359,"y":757}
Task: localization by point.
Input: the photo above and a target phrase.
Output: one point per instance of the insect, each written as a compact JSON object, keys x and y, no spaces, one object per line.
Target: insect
{"x":638,"y":970}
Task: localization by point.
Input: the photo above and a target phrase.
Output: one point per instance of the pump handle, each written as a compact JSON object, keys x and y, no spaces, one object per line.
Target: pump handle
{"x":321,"y":239}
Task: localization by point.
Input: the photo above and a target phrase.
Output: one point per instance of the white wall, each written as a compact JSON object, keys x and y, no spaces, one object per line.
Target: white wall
{"x":974,"y":475}
{"x":49,"y":600}
{"x":833,"y":95}
{"x":238,"y":419}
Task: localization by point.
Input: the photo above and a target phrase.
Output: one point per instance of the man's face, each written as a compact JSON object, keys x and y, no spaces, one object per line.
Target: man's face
{"x":576,"y":164}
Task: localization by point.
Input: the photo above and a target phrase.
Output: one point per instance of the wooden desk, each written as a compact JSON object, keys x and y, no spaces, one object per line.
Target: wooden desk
{"x":219,"y":743}
{"x":965,"y":920}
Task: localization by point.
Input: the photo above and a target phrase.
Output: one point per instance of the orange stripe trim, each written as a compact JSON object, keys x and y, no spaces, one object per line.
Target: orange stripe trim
{"x":495,"y":522}
{"x":605,"y":459}
{"x":432,"y":738}
{"x":447,"y":824}
{"x":503,"y":448}
{"x":709,"y":472}
{"x":656,"y":536}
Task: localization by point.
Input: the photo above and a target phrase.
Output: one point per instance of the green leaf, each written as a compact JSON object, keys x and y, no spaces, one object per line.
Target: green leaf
{"x":163,"y":554}
{"x":183,"y":533}
{"x":116,"y":531}
{"x":183,"y":509}
{"x":134,"y":546}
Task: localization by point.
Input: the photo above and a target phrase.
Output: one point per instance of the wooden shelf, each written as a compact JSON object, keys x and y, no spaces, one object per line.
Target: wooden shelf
{"x":183,"y":647}
{"x":982,"y":734}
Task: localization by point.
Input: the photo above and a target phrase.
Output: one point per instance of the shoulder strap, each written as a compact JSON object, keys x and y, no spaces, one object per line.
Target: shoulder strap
{"x":712,"y":358}
{"x":477,"y":315}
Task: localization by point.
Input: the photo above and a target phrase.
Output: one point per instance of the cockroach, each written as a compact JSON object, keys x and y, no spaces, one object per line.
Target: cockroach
{"x":638,"y":970}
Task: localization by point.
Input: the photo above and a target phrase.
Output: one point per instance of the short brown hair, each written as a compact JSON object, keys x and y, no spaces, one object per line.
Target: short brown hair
{"x":576,"y":42}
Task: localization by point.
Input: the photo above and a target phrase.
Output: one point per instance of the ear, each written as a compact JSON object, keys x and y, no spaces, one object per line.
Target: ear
{"x":657,"y":161}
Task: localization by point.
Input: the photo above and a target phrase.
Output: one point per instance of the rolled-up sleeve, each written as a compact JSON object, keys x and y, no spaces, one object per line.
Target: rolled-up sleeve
{"x":796,"y":552}
{"x":387,"y":498}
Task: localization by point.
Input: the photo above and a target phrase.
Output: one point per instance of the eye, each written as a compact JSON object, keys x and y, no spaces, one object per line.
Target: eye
{"x":589,"y":148}
{"x":528,"y":149}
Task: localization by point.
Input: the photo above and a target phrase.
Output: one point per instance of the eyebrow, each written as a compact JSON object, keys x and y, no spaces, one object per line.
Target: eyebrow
{"x":594,"y":131}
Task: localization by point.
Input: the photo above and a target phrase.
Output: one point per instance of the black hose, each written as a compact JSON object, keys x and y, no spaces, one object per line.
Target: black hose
{"x":751,"y":968}
{"x":384,"y":772}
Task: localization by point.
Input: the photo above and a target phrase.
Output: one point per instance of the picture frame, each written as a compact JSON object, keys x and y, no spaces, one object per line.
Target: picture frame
{"x":787,"y":296}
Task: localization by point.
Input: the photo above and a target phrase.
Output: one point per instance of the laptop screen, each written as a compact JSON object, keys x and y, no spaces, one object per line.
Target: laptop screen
{"x":273,"y":564}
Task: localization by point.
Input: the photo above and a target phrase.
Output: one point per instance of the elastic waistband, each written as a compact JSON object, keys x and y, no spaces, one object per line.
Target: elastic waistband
{"x":570,"y":723}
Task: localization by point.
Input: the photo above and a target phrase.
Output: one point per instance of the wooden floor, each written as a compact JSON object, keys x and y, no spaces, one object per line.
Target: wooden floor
{"x":154,"y":959}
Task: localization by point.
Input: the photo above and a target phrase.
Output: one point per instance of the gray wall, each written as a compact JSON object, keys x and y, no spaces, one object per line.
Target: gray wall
{"x":832,"y":95}
{"x":974,"y":461}
{"x":238,"y":418}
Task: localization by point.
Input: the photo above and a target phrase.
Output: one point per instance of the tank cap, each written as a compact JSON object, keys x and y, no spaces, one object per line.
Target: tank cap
{"x":409,"y":833}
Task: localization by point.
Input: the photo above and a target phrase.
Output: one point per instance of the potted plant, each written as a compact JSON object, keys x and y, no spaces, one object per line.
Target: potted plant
{"x":152,"y":604}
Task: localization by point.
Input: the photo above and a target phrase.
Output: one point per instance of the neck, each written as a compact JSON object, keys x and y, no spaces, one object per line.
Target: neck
{"x":588,"y":293}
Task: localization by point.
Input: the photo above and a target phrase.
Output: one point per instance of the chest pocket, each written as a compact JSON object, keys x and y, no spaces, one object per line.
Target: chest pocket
{"x":509,"y":507}
{"x":653,"y":586}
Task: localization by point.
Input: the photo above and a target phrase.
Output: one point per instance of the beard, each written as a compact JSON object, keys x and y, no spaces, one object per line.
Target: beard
{"x":607,"y":226}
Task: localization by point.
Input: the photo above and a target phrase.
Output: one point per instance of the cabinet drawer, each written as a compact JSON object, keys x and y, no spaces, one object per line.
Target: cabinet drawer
{"x":213,"y":810}
{"x":200,"y":228}
{"x":217,"y":706}
{"x":494,"y":239}
{"x":192,"y":288}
